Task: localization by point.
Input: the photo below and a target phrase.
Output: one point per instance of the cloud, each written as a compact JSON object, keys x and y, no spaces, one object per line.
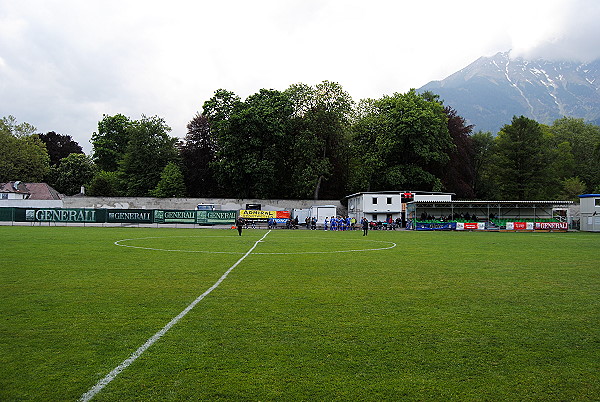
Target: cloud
{"x":567,"y":30}
{"x":65,"y":63}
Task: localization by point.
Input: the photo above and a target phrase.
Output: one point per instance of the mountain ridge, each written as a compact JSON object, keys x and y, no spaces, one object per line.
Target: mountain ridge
{"x":491,"y":90}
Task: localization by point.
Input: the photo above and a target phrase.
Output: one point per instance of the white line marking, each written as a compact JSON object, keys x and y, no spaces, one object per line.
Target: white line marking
{"x":111,"y":376}
{"x":338,"y":251}
{"x":120,"y":244}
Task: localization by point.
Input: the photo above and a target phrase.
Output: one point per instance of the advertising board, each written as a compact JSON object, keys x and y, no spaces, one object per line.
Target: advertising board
{"x":470,"y":226}
{"x":75,"y":215}
{"x":129,"y":216}
{"x":519,"y":225}
{"x":215,"y":217}
{"x":263,"y":215}
{"x":174,"y":216}
{"x":435,"y":226}
{"x":551,"y":226}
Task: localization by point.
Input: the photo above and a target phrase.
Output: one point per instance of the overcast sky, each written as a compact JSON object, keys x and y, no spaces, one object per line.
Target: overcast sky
{"x":63,"y":64}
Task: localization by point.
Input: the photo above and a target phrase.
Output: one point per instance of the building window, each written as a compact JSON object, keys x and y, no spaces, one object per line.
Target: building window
{"x":597,"y":200}
{"x":374,"y":217}
{"x":389,"y":200}
{"x":374,"y":200}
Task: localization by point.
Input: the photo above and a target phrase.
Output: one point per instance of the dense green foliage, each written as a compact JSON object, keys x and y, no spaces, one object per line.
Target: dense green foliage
{"x":318,"y":158}
{"x":402,"y":142}
{"x":527,"y":160}
{"x":105,"y":184}
{"x":59,"y":146}
{"x":479,"y":316}
{"x":23,"y":155}
{"x":460,"y":172}
{"x":198,"y":152}
{"x":581,"y":142}
{"x":280,"y":144}
{"x":110,"y":142}
{"x":73,"y":172}
{"x":148,"y":151}
{"x":315,"y":142}
{"x":171,"y":183}
{"x":521,"y":164}
{"x":251,"y":145}
{"x":137,"y":150}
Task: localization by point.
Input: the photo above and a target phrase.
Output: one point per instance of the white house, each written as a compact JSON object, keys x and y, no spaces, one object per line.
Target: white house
{"x":19,"y":194}
{"x":14,"y":190}
{"x":590,"y":212}
{"x":383,"y":205}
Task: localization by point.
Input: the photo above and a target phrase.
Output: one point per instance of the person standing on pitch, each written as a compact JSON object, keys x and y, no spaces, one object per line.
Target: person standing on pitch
{"x":365,"y":226}
{"x":240,"y":224}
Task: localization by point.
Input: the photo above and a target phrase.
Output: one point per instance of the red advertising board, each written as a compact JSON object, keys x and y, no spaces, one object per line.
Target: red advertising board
{"x":282,"y":215}
{"x":470,"y":225}
{"x":520,"y":225}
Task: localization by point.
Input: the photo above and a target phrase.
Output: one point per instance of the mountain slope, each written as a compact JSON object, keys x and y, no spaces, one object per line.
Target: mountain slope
{"x":491,"y":90}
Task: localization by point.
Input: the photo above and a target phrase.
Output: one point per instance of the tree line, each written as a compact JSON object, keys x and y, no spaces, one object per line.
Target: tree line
{"x":312,"y":142}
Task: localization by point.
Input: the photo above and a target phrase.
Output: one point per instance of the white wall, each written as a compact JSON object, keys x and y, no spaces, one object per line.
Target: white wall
{"x":362,"y":206}
{"x":32,"y":203}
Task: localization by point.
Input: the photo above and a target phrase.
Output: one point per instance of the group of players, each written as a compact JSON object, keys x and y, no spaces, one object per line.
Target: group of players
{"x":333,"y":223}
{"x":339,"y":223}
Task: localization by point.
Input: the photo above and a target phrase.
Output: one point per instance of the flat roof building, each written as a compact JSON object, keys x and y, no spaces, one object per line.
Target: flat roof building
{"x":590,"y":212}
{"x":381,"y":206}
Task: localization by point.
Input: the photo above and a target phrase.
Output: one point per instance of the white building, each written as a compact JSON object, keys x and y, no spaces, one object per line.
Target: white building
{"x":384,"y":205}
{"x":29,"y":195}
{"x":590,"y":212}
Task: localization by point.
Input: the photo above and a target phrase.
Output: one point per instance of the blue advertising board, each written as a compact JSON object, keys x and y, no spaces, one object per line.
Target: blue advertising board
{"x":435,"y":225}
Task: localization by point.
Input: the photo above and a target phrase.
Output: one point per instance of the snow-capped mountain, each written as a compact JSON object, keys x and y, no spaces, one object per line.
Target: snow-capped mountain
{"x":490,"y":91}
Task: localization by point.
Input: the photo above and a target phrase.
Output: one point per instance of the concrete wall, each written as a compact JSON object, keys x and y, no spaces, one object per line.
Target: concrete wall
{"x":16,"y":203}
{"x":191,"y":203}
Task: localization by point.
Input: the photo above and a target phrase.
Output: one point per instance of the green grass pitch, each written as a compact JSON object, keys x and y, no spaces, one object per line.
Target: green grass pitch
{"x":308,"y":315}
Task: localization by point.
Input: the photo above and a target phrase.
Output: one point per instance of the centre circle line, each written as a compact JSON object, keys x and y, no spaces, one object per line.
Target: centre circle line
{"x":127,"y":362}
{"x":119,"y":243}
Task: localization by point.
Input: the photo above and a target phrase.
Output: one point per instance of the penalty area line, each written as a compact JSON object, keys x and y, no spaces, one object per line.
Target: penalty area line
{"x":115,"y":372}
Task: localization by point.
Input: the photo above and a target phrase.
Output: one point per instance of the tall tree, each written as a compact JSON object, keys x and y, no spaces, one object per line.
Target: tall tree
{"x":404,"y":139}
{"x":583,"y":139}
{"x":148,"y":151}
{"x":23,"y":155}
{"x":522,"y":161}
{"x":73,"y":172}
{"x":251,"y":138}
{"x":219,"y":109}
{"x":9,"y":124}
{"x":483,"y":149}
{"x":110,"y":142}
{"x":459,"y":174}
{"x":59,"y":146}
{"x":171,"y":183}
{"x":198,"y":153}
{"x":320,"y":138}
{"x":105,"y":184}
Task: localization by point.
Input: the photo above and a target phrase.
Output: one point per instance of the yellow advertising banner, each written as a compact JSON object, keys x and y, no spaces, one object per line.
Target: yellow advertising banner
{"x":257,"y":214}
